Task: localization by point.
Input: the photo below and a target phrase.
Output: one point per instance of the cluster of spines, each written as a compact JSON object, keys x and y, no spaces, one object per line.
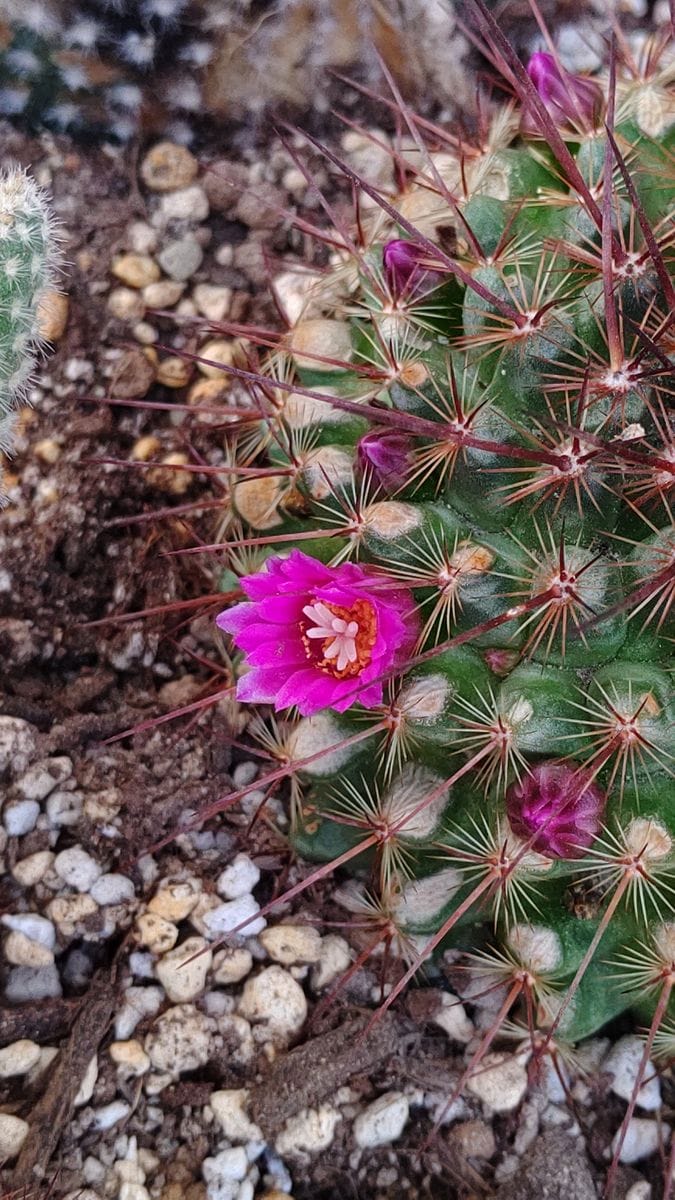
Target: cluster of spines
{"x":28,"y":260}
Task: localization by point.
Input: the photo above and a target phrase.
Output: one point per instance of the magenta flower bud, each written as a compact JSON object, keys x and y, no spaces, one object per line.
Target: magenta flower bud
{"x":557,"y":808}
{"x":386,"y":454}
{"x":317,"y":636}
{"x":574,"y":100}
{"x":406,"y":276}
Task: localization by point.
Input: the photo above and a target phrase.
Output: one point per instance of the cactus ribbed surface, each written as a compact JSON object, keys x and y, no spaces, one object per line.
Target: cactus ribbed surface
{"x":27,"y":259}
{"x":458,"y":553}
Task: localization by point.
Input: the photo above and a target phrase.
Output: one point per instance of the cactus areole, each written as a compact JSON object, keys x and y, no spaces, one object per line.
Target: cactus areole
{"x":459,"y":568}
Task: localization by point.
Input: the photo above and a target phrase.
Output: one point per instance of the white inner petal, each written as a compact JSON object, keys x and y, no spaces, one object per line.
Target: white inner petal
{"x":342,"y":634}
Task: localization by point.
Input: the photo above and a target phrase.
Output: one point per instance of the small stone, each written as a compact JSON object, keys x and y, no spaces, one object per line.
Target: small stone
{"x":135,"y":270}
{"x":226,"y":918}
{"x":317,"y":339}
{"x":77,"y":868}
{"x":64,"y":808}
{"x":110,"y":1114}
{"x":145,"y":333}
{"x":623,"y":1064}
{"x":141,"y":237}
{"x":212,"y":301}
{"x":18,"y":744}
{"x":224,"y":182}
{"x":238,"y":878}
{"x":145,"y":448}
{"x":112,"y":889}
{"x":32,"y":926}
{"x":230,"y":1110}
{"x":298,"y":293}
{"x":184,"y":204}
{"x":43,"y":777}
{"x":130,"y":1057}
{"x":208,"y":393}
{"x":174,"y":372}
{"x":20,"y":816}
{"x":310,"y":1131}
{"x":451,"y":1017}
{"x":371,"y":161}
{"x":176,"y":899}
{"x":30,"y":870}
{"x":181,"y":258}
{"x":125,"y":304}
{"x":500,"y":1082}
{"x":290,"y":944}
{"x":52,"y":315}
{"x":13,"y":1133}
{"x":552,"y":1169}
{"x":18,"y":1058}
{"x":473,"y":1139}
{"x":22,"y":951}
{"x":134,"y":374}
{"x":47,"y":451}
{"x":167,"y":478}
{"x":273,"y":997}
{"x":29,"y":984}
{"x":182,"y":971}
{"x":382,"y":1122}
{"x":180,"y":1040}
{"x":164,"y":294}
{"x":334,"y":959}
{"x":232,"y":965}
{"x":643,"y":1138}
{"x":68,"y":912}
{"x":86,"y":1088}
{"x":158,"y":934}
{"x":216,"y":352}
{"x":138,"y":1003}
{"x":260,"y":207}
{"x":167,"y":167}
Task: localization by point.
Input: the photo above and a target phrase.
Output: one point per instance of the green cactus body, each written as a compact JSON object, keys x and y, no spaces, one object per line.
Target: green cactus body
{"x":27,"y":259}
{"x":516,"y":773}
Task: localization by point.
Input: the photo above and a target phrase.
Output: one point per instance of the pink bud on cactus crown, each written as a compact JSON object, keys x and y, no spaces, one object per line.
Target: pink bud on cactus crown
{"x":407,"y":277}
{"x":573,"y":99}
{"x":316,"y":636}
{"x":557,"y":808}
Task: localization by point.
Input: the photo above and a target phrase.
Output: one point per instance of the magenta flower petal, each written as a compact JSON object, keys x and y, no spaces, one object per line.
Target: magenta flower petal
{"x":573,"y":99}
{"x":387,"y":455}
{"x":557,"y":808}
{"x":319,"y":637}
{"x":406,"y":275}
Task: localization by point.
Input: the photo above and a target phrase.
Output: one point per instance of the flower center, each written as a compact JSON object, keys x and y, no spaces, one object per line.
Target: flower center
{"x":344,"y":636}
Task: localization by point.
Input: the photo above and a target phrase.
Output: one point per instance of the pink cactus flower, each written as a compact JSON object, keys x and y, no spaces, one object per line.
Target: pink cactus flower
{"x":319,"y":637}
{"x":404,"y":269}
{"x":387,"y":455}
{"x":557,"y":808}
{"x":573,"y":99}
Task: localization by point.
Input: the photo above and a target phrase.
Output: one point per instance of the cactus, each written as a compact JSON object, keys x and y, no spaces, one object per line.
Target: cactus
{"x":459,"y":586}
{"x":27,"y":263}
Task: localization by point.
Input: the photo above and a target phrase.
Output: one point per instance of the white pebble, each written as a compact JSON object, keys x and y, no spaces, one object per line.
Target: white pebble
{"x":182,"y":971}
{"x":290,"y":944}
{"x":110,"y":1114}
{"x":274,"y":998}
{"x":139,"y":1002}
{"x":18,"y":1058}
{"x":382,"y":1122}
{"x":186,"y":204}
{"x":129,"y":1057}
{"x":20,"y":816}
{"x":230,"y":1110}
{"x":13,"y":1133}
{"x":309,"y":1131}
{"x":158,"y":934}
{"x":642,"y":1139}
{"x":22,"y":951}
{"x":27,"y":984}
{"x":86,"y":1088}
{"x":232,"y":964}
{"x":180,"y":1040}
{"x":334,"y":959}
{"x":623,"y":1063}
{"x":30,"y":870}
{"x":33,"y":926}
{"x":452,"y":1019}
{"x":112,"y":889}
{"x":229,"y":1164}
{"x":239,"y":878}
{"x":500,"y":1081}
{"x":225,"y":918}
{"x":64,"y":809}
{"x":43,"y":777}
{"x":77,"y":868}
{"x":18,"y":743}
{"x":212,"y":301}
